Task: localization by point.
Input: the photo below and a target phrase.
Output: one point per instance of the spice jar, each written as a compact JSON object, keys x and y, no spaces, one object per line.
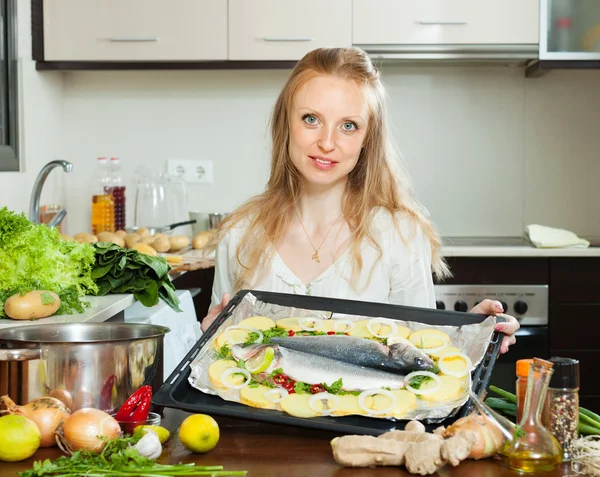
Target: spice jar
{"x":522,"y":374}
{"x":562,"y":403}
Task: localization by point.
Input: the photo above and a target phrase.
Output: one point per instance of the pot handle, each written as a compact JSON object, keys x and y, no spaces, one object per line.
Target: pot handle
{"x":22,"y":354}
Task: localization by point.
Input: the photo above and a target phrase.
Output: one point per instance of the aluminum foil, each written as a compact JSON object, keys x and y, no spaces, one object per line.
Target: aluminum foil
{"x":472,"y":340}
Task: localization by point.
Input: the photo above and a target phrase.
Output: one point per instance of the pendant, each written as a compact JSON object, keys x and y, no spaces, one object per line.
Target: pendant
{"x":316,"y":256}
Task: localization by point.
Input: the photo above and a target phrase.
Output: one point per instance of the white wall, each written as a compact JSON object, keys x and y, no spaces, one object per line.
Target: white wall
{"x":489,"y":150}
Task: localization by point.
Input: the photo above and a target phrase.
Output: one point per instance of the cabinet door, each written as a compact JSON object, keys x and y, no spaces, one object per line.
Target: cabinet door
{"x":430,"y":22}
{"x":135,"y":30}
{"x":285,"y":29}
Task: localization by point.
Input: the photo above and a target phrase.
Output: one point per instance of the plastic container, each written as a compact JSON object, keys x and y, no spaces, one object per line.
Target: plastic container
{"x":522,"y":374}
{"x":116,"y":187}
{"x":102,"y":201}
{"x":562,"y":403}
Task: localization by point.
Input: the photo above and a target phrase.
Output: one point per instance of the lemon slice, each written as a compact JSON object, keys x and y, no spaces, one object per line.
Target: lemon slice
{"x":260,"y":361}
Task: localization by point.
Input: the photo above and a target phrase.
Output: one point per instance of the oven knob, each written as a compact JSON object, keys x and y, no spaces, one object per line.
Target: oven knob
{"x":461,"y":306}
{"x":521,"y":307}
{"x":440,"y":305}
{"x":504,"y":306}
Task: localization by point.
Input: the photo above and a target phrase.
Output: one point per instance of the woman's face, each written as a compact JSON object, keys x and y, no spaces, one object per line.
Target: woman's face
{"x":328,"y":123}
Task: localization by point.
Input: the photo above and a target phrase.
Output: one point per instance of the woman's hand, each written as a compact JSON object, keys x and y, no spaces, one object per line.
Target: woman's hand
{"x":214,"y":312}
{"x":509,"y":328}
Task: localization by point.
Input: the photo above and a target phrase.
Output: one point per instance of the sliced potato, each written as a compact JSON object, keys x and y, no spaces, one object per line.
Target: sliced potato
{"x":454,"y":363}
{"x":347,"y":405}
{"x":297,"y":405}
{"x":428,"y":338}
{"x":446,"y":350}
{"x":450,"y":388}
{"x":232,"y":337}
{"x":215,"y":370}
{"x":293,"y":323}
{"x":255,"y":397}
{"x":405,"y":402}
{"x":361,"y":329}
{"x":258,"y":322}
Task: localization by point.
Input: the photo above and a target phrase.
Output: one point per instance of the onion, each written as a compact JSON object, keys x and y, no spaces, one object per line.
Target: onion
{"x":245,"y":328}
{"x":230,"y":371}
{"x":348,"y":325}
{"x":64,"y":396}
{"x":437,"y":349}
{"x":370,"y":392}
{"x":316,"y":322}
{"x":46,"y":412}
{"x":433,"y":376}
{"x":325,"y":396}
{"x":457,"y":374}
{"x":276,"y":395}
{"x":383,"y":321}
{"x":89,"y":429}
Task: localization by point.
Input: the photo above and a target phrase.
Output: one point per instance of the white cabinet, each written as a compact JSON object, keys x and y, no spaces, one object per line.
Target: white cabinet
{"x":287,"y":29}
{"x":135,"y":30}
{"x":430,"y":22}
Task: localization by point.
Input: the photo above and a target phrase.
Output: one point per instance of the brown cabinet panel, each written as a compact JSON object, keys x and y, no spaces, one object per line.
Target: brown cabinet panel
{"x":588,"y":368}
{"x":575,"y":280}
{"x":498,"y":271}
{"x":575,"y":326}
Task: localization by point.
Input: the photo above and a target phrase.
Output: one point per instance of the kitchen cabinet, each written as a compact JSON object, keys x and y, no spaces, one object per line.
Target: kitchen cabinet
{"x":134,"y":30}
{"x":285,"y":29}
{"x":445,"y":22}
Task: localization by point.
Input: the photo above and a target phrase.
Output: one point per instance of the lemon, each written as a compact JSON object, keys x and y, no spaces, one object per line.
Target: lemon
{"x":260,"y":361}
{"x":199,"y":433}
{"x":161,"y":432}
{"x":19,"y":438}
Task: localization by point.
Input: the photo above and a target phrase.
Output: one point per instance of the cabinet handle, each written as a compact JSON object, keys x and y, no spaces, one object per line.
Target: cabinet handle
{"x":133,"y":38}
{"x":287,"y":38}
{"x":427,"y":22}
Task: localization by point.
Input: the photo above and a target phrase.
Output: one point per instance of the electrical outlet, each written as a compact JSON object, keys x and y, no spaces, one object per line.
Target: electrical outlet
{"x":191,"y":171}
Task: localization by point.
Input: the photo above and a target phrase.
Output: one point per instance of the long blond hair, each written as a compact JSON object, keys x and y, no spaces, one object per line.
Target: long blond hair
{"x":376,"y":181}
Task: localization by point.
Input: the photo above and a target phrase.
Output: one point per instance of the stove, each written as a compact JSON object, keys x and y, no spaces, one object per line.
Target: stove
{"x":486,"y":242}
{"x":527,"y":303}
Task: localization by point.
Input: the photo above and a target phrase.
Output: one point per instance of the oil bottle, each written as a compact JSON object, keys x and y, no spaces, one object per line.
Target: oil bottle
{"x":103,"y":207}
{"x":534,"y":448}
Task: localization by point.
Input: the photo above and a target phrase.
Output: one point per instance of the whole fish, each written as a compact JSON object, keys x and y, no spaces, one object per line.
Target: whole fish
{"x":314,"y":369}
{"x":401,"y":357}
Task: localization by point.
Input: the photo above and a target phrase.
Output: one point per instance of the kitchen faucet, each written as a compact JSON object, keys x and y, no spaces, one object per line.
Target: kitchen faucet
{"x":34,"y":204}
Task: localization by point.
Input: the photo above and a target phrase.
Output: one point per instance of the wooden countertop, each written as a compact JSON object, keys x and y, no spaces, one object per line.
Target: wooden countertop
{"x":272,"y":450}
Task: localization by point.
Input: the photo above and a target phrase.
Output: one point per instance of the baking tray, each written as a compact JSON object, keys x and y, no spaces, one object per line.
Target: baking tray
{"x":176,"y":391}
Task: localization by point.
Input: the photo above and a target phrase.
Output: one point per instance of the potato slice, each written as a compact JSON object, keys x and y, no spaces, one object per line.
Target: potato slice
{"x":428,"y":338}
{"x":297,"y":405}
{"x":232,"y":337}
{"x":442,"y":352}
{"x":255,"y":397}
{"x":347,"y":405}
{"x":258,"y":322}
{"x":215,"y":370}
{"x":361,"y":329}
{"x":450,"y":388}
{"x":293,"y":324}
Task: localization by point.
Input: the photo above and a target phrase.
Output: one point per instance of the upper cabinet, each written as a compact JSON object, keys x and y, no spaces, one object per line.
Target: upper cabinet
{"x":445,"y":22}
{"x":135,"y":30}
{"x":287,"y":29}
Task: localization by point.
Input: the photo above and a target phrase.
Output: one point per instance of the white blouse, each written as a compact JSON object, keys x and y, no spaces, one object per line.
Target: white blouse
{"x":401,"y":276}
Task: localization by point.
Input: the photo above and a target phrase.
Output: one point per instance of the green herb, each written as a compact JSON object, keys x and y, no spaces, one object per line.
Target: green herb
{"x":302,"y":388}
{"x":274,"y":332}
{"x":418,"y":381}
{"x":118,"y":458}
{"x":47,"y":298}
{"x":223,"y":352}
{"x":422,"y":343}
{"x":519,"y":432}
{"x":34,"y":257}
{"x":241,"y":364}
{"x":120,"y":270}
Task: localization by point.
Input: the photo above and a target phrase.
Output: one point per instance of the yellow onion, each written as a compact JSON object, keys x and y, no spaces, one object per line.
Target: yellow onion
{"x":489,"y":437}
{"x":46,"y":412}
{"x":89,"y":429}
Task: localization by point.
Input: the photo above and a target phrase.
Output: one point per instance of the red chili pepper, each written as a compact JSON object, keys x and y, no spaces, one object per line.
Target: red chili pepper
{"x":124,"y":413}
{"x":106,"y":392}
{"x":143,"y":409}
{"x":289,"y":385}
{"x":317,"y":388}
{"x":347,"y":334}
{"x":291,"y":333}
{"x":280,"y":379}
{"x":331,"y":332}
{"x":291,"y":391}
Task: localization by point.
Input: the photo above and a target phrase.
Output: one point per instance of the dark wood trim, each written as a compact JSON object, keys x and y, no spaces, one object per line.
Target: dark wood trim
{"x":498,"y":271}
{"x":37,"y":30}
{"x":540,"y":68}
{"x":164,"y":65}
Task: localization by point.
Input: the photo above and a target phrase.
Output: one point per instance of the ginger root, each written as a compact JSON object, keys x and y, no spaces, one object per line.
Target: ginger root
{"x":419,"y":451}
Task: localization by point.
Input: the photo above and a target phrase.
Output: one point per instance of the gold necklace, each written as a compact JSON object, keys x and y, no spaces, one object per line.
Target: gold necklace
{"x":315,"y":255}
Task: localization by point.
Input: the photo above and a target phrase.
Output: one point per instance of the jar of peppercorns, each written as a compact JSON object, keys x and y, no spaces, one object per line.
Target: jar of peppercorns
{"x":562,"y":403}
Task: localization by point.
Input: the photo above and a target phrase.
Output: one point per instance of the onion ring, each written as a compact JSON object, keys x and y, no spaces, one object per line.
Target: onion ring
{"x":245,"y":328}
{"x":414,"y":374}
{"x":456,"y":374}
{"x":280,"y":392}
{"x":383,"y":321}
{"x":370,"y":392}
{"x":438,"y":348}
{"x":320,"y":397}
{"x":236,"y":370}
{"x":318,"y":324}
{"x":349,"y":325}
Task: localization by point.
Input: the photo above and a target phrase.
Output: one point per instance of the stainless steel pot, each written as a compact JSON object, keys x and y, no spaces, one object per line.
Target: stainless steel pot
{"x":84,"y":364}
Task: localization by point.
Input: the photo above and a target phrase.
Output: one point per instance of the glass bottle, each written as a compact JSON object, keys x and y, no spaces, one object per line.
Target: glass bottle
{"x":103,"y":219}
{"x":534,"y":448}
{"x":561,"y":412}
{"x":522,"y":369}
{"x":117,"y":189}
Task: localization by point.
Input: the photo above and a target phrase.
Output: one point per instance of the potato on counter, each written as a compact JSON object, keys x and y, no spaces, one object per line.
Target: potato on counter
{"x":132,"y":239}
{"x":201,"y":239}
{"x":161,"y":243}
{"x":31,"y":305}
{"x":178,"y":242}
{"x":111,"y":237}
{"x":144,"y":248}
{"x":84,"y":237}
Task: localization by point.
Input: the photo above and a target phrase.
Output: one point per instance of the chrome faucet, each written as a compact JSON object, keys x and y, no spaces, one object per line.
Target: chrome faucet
{"x":34,"y":204}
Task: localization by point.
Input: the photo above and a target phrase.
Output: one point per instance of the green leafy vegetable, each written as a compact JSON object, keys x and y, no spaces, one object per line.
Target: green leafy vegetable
{"x":119,"y":270}
{"x":34,"y":257}
{"x":47,"y":298}
{"x":418,"y":381}
{"x":223,"y":352}
{"x":117,"y":458}
{"x":267,"y":335}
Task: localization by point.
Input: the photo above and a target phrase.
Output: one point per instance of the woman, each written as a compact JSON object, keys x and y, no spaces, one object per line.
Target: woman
{"x":338,"y":218}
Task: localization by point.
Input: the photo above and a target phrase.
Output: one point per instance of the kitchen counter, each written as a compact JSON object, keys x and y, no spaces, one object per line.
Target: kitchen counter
{"x":101,"y":309}
{"x":276,"y":450}
{"x":516,"y":251}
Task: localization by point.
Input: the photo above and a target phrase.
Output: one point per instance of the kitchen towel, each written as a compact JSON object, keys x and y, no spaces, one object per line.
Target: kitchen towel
{"x":548,"y":237}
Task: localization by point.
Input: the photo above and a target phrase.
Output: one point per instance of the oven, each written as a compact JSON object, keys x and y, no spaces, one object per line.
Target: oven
{"x":527,"y":303}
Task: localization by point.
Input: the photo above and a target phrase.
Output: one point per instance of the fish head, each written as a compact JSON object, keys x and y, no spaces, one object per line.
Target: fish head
{"x":410,"y":356}
{"x":246,"y":352}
